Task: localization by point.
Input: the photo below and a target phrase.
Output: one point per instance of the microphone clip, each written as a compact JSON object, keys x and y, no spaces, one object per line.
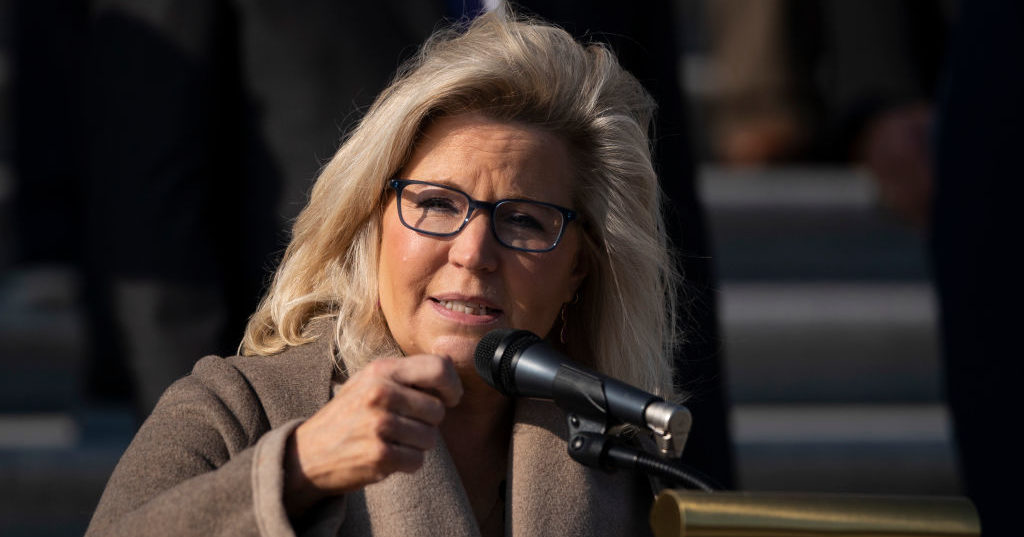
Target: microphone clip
{"x":590,"y":446}
{"x":590,"y":443}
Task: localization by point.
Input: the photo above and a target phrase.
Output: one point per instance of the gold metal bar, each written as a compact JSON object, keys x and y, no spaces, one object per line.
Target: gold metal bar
{"x":680,"y":513}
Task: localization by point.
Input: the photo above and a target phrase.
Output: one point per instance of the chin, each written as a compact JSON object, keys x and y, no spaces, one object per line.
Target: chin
{"x":460,"y":348}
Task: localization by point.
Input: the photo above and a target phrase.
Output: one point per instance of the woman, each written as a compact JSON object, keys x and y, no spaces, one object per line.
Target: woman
{"x":504,"y":180}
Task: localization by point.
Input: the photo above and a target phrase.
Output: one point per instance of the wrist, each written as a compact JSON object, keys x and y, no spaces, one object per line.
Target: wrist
{"x":300,"y":493}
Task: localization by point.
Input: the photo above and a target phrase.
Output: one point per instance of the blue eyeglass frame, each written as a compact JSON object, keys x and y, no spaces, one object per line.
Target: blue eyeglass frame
{"x":568,"y":215}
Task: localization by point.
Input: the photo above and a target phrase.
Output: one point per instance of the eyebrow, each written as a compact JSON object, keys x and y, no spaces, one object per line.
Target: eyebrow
{"x":450,"y":184}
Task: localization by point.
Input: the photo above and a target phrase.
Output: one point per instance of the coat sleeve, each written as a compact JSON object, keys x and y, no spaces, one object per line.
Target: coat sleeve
{"x":204,"y":463}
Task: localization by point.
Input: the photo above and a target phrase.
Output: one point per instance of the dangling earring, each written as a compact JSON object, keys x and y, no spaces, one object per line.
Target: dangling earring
{"x":565,"y":307}
{"x":561,"y":335}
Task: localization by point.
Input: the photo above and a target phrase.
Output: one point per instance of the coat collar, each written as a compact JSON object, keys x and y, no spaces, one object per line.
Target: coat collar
{"x":548,"y":492}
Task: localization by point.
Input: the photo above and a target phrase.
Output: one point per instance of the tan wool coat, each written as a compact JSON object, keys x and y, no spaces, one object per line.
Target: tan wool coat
{"x":209,"y":461}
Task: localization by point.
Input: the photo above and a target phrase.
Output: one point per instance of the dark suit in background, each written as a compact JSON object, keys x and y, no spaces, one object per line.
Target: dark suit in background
{"x":976,"y":237}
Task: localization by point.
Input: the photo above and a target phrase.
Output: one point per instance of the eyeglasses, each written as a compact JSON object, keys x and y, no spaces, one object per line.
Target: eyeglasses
{"x":443,"y":211}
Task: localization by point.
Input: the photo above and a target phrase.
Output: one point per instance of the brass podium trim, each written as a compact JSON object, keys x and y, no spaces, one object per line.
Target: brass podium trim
{"x":739,"y":514}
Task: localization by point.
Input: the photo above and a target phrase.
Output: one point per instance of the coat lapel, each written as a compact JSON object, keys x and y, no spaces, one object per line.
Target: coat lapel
{"x":430,"y":501}
{"x":549,"y":493}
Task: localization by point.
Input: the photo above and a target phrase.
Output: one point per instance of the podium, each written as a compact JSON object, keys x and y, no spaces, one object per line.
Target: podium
{"x":684,"y":513}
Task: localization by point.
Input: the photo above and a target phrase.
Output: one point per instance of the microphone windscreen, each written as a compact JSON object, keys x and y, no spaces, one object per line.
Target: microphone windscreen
{"x":483,"y":356}
{"x":494,"y":353}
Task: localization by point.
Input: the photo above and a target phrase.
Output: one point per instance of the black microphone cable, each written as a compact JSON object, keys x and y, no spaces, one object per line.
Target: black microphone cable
{"x":595,"y":449}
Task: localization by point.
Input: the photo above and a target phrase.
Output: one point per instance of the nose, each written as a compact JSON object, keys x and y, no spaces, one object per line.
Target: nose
{"x":475,"y":247}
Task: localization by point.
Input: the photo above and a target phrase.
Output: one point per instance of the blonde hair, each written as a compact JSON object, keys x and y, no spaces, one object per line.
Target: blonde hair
{"x":508,"y":69}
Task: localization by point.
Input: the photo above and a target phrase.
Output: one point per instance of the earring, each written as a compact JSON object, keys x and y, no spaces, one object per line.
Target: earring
{"x":561,"y":335}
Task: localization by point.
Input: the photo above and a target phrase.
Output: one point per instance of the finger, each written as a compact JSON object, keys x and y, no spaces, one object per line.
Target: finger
{"x":431,"y":373}
{"x":378,"y":390}
{"x":407,"y":432}
{"x":401,"y":458}
{"x":416,"y":404}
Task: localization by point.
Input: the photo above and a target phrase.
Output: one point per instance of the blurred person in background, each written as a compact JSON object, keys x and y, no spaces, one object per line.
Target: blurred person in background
{"x":846,"y":80}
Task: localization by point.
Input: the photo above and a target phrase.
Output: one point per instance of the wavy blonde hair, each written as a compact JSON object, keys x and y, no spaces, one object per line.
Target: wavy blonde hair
{"x":507,"y":69}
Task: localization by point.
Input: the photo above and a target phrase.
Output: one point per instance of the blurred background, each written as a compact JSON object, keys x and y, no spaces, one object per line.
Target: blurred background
{"x":808,"y":127}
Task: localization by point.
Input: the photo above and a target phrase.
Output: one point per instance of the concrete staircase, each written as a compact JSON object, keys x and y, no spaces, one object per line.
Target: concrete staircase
{"x":830,"y":336}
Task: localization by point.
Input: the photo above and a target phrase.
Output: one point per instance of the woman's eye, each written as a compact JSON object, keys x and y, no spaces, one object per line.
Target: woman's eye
{"x":524,"y":221}
{"x":437,"y":204}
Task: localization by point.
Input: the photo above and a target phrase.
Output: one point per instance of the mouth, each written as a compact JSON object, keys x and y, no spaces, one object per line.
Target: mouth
{"x":467,"y":307}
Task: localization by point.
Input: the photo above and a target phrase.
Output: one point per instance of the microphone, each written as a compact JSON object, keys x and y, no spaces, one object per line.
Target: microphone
{"x":518,"y":363}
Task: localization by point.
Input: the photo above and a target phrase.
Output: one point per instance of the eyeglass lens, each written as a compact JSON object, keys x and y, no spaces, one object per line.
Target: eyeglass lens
{"x":441,"y":210}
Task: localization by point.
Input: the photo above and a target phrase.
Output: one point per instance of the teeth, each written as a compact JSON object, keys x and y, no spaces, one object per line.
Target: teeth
{"x":464,"y":307}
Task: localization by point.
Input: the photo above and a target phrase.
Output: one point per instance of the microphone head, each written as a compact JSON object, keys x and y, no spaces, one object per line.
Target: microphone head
{"x":495,"y":354}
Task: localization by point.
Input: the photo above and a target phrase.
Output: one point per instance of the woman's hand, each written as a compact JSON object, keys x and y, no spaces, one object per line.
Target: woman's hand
{"x":382,"y":420}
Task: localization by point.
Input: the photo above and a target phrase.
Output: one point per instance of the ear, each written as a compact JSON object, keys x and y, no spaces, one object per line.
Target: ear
{"x":579,"y":272}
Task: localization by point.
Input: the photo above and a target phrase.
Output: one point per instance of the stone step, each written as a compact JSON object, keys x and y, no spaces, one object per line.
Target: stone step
{"x":42,"y":341}
{"x":877,"y":449}
{"x":810,"y":223}
{"x":830,"y":342}
{"x":54,"y":467}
